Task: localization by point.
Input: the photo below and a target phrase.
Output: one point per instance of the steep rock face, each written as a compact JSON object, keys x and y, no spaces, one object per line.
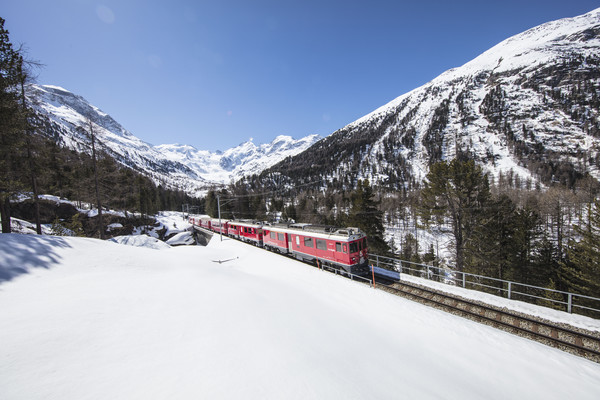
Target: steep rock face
{"x":63,"y":116}
{"x":528,"y":107}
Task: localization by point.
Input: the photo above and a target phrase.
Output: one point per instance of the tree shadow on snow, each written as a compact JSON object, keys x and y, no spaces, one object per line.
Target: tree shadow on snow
{"x":21,"y":253}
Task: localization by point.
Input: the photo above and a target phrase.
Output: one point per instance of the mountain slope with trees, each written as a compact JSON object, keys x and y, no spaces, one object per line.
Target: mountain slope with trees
{"x":527,"y":108}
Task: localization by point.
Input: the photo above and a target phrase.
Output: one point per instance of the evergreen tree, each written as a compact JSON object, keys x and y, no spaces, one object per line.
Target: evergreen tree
{"x":491,"y":250}
{"x":11,"y":125}
{"x":365,"y":214}
{"x":457,"y":191}
{"x":526,"y":225}
{"x":582,"y":267}
{"x":211,"y":204}
{"x":545,"y":265}
{"x":289,"y":213}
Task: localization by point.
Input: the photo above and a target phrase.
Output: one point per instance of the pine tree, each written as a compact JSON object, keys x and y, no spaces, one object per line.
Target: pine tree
{"x":365,"y":214}
{"x":491,"y":248}
{"x":211,"y":204}
{"x":11,"y":124}
{"x":457,"y":191}
{"x":582,"y":267}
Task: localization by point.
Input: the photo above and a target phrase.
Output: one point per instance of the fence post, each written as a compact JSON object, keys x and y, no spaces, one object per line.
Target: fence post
{"x":373,"y":274}
{"x":464,"y":280}
{"x":570,"y":304}
{"x":377,"y":260}
{"x":509,"y":289}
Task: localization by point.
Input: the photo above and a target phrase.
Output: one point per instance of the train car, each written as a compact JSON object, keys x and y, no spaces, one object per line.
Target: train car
{"x":205,"y":223}
{"x":342,"y":248}
{"x":233,"y":230}
{"x":275,"y":237}
{"x":219,"y":226}
{"x":200,"y":221}
{"x":248,"y":231}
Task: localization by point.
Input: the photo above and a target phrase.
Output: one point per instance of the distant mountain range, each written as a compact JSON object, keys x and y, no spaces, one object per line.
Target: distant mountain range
{"x":525,"y":110}
{"x":64,"y":114}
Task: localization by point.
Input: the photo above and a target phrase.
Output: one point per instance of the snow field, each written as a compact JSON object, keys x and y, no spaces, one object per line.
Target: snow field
{"x":86,"y":319}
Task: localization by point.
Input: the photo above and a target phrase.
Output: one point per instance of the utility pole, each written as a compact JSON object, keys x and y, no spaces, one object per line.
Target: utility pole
{"x":90,"y":126}
{"x":219,"y":208}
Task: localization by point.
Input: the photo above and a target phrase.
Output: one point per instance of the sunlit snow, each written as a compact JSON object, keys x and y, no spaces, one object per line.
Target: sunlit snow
{"x":87,"y":319}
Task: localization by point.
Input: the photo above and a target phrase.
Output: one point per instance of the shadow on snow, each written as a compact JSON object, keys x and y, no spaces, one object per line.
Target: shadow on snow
{"x":21,"y":253}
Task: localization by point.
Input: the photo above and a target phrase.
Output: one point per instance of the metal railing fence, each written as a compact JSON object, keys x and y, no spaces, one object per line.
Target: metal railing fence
{"x":556,"y":299}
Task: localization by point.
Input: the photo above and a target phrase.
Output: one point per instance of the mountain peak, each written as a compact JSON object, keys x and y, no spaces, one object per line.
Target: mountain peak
{"x":181,"y":166}
{"x":526,"y":108}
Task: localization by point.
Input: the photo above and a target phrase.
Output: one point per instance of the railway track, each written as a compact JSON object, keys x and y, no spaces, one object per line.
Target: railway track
{"x":567,"y":338}
{"x":564,"y":337}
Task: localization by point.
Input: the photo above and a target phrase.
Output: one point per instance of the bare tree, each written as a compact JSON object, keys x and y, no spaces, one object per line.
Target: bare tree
{"x":24,"y":75}
{"x":91,"y":130}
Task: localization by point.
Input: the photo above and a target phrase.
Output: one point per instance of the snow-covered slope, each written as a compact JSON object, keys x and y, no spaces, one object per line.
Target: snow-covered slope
{"x":528,"y":107}
{"x":64,"y":115}
{"x":503,"y":75}
{"x":140,"y":323}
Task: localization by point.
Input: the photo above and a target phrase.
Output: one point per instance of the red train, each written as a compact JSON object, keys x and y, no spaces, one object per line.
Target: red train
{"x":344,"y":248}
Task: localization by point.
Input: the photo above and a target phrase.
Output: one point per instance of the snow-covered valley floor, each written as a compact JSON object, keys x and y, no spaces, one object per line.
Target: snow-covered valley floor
{"x":87,"y":319}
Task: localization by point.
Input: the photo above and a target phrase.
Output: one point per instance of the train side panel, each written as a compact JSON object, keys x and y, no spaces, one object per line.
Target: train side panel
{"x":351,"y":255}
{"x":276,"y":240}
{"x":250,"y":232}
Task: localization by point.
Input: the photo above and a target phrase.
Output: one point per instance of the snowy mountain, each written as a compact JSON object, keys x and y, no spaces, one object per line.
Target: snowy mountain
{"x":527,"y":108}
{"x":233,"y":164}
{"x":64,"y":115}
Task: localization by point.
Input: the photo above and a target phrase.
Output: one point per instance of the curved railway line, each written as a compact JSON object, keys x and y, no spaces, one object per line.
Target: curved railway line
{"x":562,"y":336}
{"x":567,"y":338}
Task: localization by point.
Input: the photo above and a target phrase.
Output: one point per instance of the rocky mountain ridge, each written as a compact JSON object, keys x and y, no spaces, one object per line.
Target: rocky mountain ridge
{"x":64,"y":116}
{"x":527,"y":108}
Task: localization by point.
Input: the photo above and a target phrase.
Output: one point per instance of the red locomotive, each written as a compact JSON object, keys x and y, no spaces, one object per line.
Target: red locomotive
{"x":344,"y":248}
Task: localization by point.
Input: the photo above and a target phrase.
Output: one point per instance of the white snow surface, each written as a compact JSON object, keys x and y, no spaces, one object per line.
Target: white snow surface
{"x":140,"y":241}
{"x":87,"y":319}
{"x":181,"y":238}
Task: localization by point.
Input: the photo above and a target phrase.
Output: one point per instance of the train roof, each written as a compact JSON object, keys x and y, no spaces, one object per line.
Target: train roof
{"x":325,"y":231}
{"x":244,"y":222}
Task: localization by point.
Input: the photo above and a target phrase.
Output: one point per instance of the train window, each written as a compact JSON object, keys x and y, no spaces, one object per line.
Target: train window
{"x":280,"y":237}
{"x":338,"y":247}
{"x":273,"y":235}
{"x":353,"y":247}
{"x":298,"y":241}
{"x":308,"y":242}
{"x":345,"y":248}
{"x":321,"y":244}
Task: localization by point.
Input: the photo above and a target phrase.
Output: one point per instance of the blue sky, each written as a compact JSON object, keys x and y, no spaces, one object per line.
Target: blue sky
{"x":215,"y":73}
